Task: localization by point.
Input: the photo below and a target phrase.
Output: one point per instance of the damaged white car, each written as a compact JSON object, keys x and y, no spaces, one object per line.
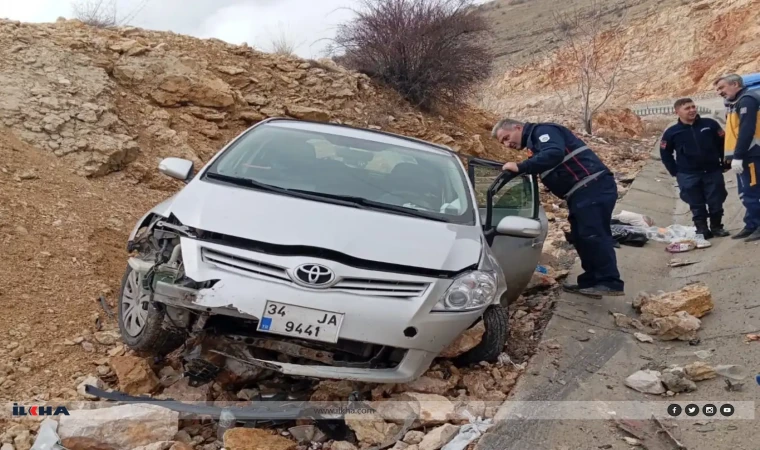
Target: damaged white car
{"x":327,"y":251}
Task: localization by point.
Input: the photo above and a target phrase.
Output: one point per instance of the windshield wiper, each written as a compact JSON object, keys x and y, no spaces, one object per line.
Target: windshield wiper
{"x":372,"y":204}
{"x":247,"y":182}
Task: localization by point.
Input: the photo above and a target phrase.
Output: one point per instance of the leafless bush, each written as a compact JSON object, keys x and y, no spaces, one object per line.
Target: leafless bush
{"x":281,"y":45}
{"x":103,"y":13}
{"x":595,"y":57}
{"x":428,"y":50}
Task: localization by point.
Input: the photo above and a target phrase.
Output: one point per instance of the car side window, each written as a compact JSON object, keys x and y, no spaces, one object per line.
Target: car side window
{"x":515,"y":198}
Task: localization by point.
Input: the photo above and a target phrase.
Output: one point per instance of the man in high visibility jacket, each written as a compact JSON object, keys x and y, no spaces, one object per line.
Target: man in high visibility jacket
{"x":742,"y":147}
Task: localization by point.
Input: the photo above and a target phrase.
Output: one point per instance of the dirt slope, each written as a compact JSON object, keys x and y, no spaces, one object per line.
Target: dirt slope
{"x":677,"y":48}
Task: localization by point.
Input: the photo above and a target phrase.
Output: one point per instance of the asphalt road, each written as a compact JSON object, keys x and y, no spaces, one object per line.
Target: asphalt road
{"x":572,"y":389}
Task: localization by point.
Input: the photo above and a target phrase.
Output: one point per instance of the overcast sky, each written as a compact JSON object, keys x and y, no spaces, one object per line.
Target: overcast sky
{"x":307,"y":23}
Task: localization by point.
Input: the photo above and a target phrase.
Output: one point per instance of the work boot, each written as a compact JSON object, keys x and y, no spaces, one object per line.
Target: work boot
{"x":601,"y":291}
{"x":753,"y":237}
{"x":575,"y":289}
{"x":703,"y":229}
{"x":746,"y":232}
{"x":716,"y":227}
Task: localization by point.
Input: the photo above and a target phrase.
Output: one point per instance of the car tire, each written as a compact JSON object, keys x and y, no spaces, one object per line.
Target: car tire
{"x":156,"y":335}
{"x":494,"y":338}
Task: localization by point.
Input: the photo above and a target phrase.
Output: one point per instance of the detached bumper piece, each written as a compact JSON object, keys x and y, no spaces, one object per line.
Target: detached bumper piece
{"x":274,"y":411}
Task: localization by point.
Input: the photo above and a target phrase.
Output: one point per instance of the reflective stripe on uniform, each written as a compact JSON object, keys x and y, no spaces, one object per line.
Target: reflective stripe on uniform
{"x":566,"y":159}
{"x":583,"y":182}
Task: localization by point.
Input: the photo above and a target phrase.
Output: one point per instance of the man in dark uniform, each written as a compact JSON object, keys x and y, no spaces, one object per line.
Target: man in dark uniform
{"x":573,"y":172}
{"x":698,"y":166}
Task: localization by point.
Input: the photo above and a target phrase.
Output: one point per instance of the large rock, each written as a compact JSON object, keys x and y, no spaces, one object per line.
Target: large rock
{"x":371,"y":428}
{"x":694,"y":299}
{"x":465,"y":342}
{"x":307,"y":113}
{"x":682,"y":326}
{"x":431,"y":409}
{"x":699,"y":371}
{"x":438,"y":437}
{"x":646,"y":381}
{"x":121,"y":427}
{"x":676,"y":381}
{"x":255,"y":439}
{"x":170,"y":81}
{"x":429,"y":385}
{"x":183,"y":392}
{"x":135,"y":375}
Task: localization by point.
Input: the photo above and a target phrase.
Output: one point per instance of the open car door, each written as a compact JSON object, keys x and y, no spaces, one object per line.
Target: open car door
{"x":514,"y":222}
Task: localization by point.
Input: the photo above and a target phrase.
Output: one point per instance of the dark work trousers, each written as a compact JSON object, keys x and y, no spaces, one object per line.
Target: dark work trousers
{"x":590,"y":215}
{"x":749,"y":192}
{"x":704,"y":192}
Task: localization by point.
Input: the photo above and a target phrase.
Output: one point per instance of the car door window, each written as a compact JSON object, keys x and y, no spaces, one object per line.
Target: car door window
{"x":516,"y":197}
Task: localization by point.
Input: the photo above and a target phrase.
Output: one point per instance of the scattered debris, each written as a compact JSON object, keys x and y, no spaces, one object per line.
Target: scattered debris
{"x":732,"y":371}
{"x":646,"y":381}
{"x":699,"y":371}
{"x":643,"y":337}
{"x":465,"y":342}
{"x":733,"y":386}
{"x":676,"y":381}
{"x":135,"y":375}
{"x":681,"y":263}
{"x":694,"y":298}
{"x":704,"y":354}
{"x":753,"y":338}
{"x":255,"y":439}
{"x":682,"y":326}
{"x":631,"y":441}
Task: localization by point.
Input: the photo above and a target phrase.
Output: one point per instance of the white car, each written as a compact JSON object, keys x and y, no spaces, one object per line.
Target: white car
{"x":323,"y":250}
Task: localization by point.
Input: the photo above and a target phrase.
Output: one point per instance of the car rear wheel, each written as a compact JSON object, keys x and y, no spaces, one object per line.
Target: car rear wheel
{"x":143,"y":324}
{"x":494,"y":339}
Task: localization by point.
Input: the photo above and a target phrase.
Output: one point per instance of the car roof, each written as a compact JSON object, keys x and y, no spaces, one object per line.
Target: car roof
{"x":359,"y":133}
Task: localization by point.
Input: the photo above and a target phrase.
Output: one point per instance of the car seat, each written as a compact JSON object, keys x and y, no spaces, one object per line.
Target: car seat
{"x":417,"y":178}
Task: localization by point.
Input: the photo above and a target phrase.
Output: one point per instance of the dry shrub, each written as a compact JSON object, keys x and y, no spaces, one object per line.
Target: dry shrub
{"x":428,"y":50}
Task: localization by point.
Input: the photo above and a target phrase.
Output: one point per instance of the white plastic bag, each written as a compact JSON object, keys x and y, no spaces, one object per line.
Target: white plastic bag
{"x":634,"y":219}
{"x":468,"y":433}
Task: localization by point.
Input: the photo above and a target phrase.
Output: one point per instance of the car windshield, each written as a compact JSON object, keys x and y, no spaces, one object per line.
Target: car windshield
{"x":383,"y":172}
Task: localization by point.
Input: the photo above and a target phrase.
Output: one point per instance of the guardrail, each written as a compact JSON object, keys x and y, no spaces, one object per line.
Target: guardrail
{"x":666,"y":101}
{"x":665,"y":110}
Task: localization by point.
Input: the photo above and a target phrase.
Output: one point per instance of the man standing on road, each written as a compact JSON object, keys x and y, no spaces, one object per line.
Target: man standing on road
{"x":742,"y":147}
{"x":698,"y":166}
{"x":573,"y":172}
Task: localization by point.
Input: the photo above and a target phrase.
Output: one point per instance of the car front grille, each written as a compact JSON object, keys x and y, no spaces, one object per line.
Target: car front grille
{"x":360,"y":286}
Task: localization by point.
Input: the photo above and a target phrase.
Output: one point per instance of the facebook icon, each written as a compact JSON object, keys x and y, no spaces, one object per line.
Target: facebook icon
{"x":674,"y":410}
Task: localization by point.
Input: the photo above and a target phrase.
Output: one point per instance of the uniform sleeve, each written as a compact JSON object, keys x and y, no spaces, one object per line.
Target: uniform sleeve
{"x":666,"y":153}
{"x":549,"y":153}
{"x":720,"y":140}
{"x":747,"y":122}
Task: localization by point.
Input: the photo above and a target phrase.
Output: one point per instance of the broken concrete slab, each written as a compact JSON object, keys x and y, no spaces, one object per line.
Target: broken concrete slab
{"x":121,"y":427}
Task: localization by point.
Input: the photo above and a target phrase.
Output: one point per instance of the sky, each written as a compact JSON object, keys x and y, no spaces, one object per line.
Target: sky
{"x":309,"y":24}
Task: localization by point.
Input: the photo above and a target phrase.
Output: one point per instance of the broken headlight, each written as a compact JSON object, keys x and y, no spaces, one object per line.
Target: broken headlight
{"x":472,"y":290}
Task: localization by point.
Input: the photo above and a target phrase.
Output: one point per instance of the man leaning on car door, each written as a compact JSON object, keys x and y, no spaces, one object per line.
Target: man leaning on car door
{"x":573,"y":172}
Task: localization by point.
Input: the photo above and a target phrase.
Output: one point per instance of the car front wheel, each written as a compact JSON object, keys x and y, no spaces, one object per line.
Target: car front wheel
{"x":143,"y":324}
{"x":494,"y":339}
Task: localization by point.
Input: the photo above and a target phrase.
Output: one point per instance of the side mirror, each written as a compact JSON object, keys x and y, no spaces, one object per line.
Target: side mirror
{"x":519,"y":227}
{"x":181,"y":169}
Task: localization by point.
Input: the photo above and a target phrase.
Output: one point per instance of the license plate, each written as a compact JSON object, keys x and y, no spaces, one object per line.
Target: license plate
{"x":297,"y":321}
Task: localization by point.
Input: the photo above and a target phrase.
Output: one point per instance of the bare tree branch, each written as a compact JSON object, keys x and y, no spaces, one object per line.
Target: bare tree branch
{"x":593,"y":55}
{"x":103,"y":13}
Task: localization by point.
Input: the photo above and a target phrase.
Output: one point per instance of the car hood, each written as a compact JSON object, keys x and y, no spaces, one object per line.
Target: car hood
{"x":360,"y":233}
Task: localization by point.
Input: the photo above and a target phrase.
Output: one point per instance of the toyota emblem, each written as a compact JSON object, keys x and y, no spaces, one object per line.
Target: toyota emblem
{"x":314,"y":275}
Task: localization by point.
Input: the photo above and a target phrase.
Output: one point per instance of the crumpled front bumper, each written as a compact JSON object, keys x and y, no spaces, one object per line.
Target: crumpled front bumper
{"x":373,"y":319}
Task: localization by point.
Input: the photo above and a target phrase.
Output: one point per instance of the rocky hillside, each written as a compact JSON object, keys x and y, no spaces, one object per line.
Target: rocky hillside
{"x":677,"y":49}
{"x":105,"y":99}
